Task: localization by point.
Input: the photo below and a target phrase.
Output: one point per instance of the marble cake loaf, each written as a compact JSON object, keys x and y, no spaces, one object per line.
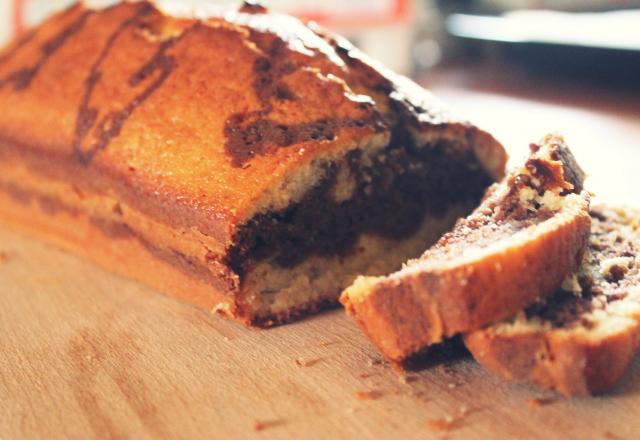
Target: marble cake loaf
{"x":245,"y":162}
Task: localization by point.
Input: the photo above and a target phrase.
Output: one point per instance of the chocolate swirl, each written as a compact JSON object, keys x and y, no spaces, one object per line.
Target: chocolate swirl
{"x":22,"y":78}
{"x":110,"y":125}
{"x":254,"y":133}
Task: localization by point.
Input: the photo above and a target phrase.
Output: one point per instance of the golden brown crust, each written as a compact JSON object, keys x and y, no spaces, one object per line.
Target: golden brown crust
{"x":438,"y":295}
{"x":125,"y":254}
{"x":198,"y":126}
{"x":570,"y":365}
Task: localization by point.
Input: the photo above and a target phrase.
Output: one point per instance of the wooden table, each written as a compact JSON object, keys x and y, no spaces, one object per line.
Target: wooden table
{"x":86,"y":354}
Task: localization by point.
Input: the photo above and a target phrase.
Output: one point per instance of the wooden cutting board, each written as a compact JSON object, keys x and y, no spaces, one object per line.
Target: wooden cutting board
{"x":85,"y":354}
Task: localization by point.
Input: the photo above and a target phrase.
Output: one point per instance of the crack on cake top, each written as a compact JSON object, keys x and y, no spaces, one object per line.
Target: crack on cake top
{"x":256,"y":133}
{"x":110,"y":125}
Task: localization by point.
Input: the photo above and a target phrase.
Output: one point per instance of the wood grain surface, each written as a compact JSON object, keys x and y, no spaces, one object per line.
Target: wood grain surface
{"x":85,"y":354}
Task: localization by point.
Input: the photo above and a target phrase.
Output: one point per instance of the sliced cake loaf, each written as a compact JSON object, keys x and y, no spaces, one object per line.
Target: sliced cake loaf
{"x":581,"y":339}
{"x":528,"y":234}
{"x":236,"y":159}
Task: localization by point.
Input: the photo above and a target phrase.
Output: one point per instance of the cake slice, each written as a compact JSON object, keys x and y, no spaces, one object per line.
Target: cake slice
{"x":581,"y":339}
{"x":516,"y":247}
{"x":242,"y":161}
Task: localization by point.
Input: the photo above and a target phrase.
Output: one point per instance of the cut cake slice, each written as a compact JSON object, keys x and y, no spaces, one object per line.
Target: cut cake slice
{"x":528,"y":234}
{"x":581,"y":339}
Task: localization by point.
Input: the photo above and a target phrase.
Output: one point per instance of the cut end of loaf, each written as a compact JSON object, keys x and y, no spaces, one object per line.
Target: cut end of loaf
{"x":274,"y":294}
{"x":367,"y":215}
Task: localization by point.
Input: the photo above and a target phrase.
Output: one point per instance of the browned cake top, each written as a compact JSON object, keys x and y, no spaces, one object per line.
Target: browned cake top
{"x":209,"y":114}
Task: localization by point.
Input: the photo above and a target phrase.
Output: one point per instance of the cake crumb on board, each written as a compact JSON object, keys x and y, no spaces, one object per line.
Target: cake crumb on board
{"x":261,"y":425}
{"x":420,"y":397}
{"x":307,"y":363}
{"x":368,"y":374}
{"x":443,"y":424}
{"x":461,"y":412}
{"x":540,"y":401}
{"x":450,"y":422}
{"x":368,"y":395}
{"x":4,"y":257}
{"x":328,"y":343}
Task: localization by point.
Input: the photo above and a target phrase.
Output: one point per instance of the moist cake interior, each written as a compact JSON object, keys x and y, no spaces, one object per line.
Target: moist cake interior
{"x":609,"y":274}
{"x":405,"y":194}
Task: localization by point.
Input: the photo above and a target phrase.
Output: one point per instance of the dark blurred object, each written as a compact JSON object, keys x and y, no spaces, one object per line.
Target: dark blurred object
{"x":597,"y":47}
{"x":501,"y":6}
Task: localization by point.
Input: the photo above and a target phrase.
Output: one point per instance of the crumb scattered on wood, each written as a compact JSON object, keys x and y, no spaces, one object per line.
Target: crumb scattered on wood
{"x":261,"y":425}
{"x":443,"y":424}
{"x":395,"y":391}
{"x":420,"y":397}
{"x":450,"y":422}
{"x":373,"y":362}
{"x":368,"y":374}
{"x":368,"y":395}
{"x":328,"y":343}
{"x":307,"y":363}
{"x":4,"y":256}
{"x":611,"y":436}
{"x":540,"y":401}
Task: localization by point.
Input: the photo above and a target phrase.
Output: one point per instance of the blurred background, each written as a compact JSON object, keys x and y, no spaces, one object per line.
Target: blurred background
{"x":519,"y":68}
